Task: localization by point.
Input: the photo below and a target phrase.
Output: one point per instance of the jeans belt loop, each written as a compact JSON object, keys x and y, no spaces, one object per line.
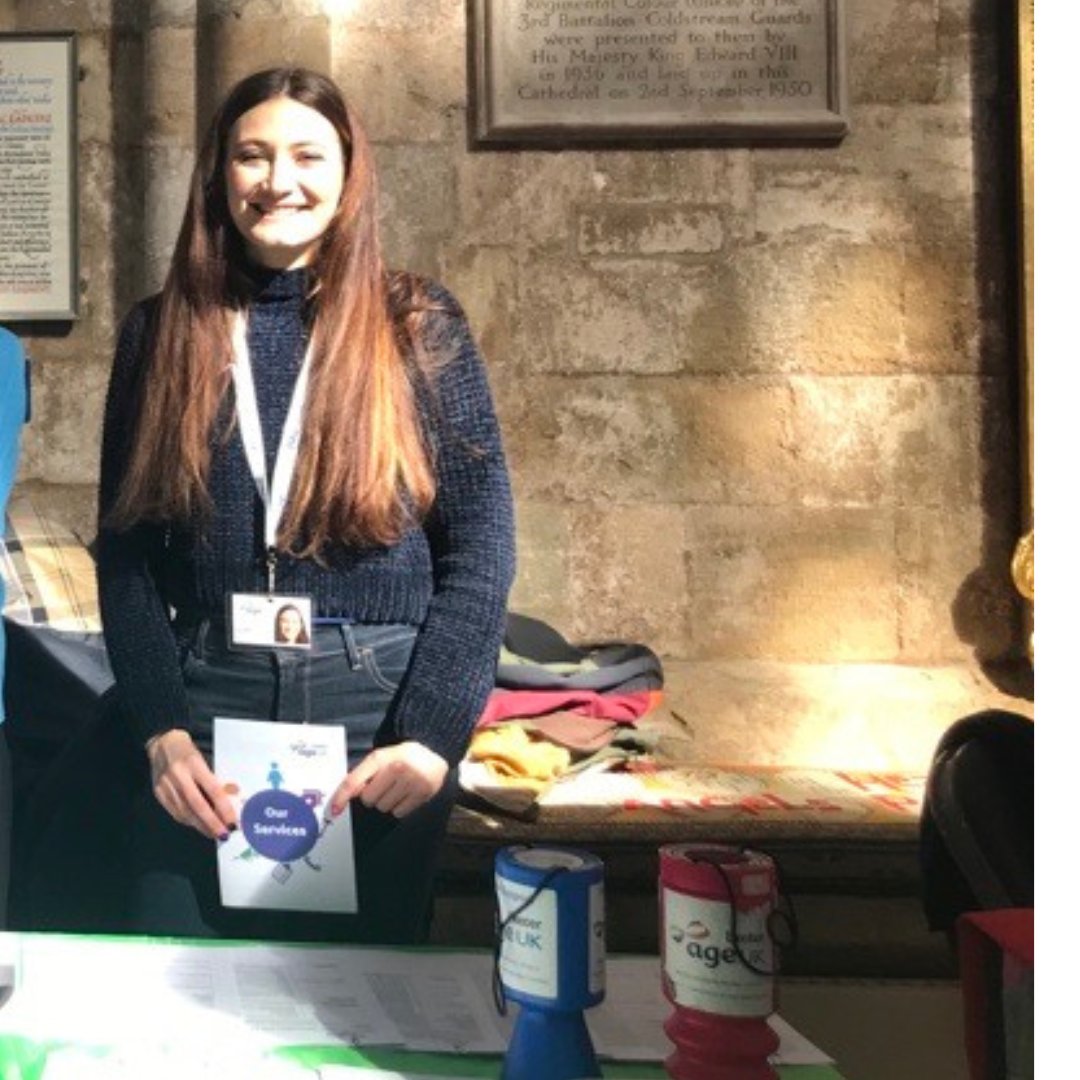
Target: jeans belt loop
{"x":352,"y":650}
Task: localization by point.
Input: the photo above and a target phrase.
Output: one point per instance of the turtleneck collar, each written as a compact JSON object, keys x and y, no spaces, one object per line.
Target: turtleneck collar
{"x":276,"y":286}
{"x":264,"y":285}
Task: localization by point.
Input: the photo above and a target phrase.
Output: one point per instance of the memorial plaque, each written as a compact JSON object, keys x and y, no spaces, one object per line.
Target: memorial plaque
{"x":570,"y":72}
{"x":38,"y":277}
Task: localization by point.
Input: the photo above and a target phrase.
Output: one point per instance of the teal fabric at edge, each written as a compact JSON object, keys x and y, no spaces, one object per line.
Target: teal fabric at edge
{"x":12,"y":416}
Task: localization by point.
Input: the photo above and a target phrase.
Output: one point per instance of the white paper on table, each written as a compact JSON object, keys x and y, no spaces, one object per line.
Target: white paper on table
{"x":114,"y":993}
{"x":255,"y":998}
{"x":288,"y":853}
{"x":251,"y":999}
{"x":303,"y":996}
{"x":437,"y":1001}
{"x":795,"y":1049}
{"x":167,"y":1063}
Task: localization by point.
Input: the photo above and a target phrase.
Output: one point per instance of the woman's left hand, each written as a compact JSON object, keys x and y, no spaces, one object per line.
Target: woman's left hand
{"x":393,"y":779}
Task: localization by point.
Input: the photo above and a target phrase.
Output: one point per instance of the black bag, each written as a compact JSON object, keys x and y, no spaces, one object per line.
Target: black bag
{"x":976,"y":841}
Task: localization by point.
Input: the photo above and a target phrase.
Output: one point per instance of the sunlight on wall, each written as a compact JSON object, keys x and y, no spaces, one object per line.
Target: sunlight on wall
{"x":341,"y":9}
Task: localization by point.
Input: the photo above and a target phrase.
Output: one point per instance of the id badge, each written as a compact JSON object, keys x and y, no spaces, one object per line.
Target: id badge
{"x":269,"y":621}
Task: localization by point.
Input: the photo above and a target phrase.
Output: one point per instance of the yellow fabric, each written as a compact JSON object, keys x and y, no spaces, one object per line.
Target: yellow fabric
{"x":511,"y":753}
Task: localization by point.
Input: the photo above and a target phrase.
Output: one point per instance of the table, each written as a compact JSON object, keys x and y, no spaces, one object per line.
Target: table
{"x":294,"y":1010}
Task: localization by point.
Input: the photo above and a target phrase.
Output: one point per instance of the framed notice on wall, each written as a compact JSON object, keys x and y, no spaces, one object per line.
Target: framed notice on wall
{"x":38,"y":202}
{"x":558,"y":73}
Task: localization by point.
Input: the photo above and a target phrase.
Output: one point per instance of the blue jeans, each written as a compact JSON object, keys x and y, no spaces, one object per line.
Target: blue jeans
{"x":348,"y":677}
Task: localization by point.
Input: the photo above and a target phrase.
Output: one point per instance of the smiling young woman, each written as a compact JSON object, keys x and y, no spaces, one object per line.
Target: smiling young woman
{"x":283,"y":181}
{"x":289,"y":418}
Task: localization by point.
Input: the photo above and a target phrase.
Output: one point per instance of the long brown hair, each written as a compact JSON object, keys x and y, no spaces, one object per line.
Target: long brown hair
{"x":364,"y":471}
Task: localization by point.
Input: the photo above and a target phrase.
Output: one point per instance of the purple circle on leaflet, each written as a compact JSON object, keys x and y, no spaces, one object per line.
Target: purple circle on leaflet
{"x":279,"y":825}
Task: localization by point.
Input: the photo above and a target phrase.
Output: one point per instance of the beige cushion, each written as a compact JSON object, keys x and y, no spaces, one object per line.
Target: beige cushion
{"x":49,"y":575}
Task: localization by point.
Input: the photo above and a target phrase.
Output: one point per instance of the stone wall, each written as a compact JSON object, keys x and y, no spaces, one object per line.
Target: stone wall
{"x":760,"y":404}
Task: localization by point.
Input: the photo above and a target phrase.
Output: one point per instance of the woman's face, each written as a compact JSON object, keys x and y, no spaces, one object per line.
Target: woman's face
{"x":284,"y":174}
{"x":289,"y":624}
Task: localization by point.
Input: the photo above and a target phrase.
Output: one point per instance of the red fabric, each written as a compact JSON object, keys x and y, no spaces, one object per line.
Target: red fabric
{"x":981,"y":938}
{"x":516,"y":704}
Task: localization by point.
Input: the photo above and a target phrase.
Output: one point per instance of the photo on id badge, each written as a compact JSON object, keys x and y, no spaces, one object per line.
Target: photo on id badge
{"x":267,"y":621}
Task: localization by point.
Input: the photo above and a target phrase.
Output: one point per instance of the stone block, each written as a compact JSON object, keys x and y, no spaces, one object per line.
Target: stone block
{"x":893,"y":51}
{"x":810,"y":442}
{"x":61,"y":444}
{"x":790,"y":306}
{"x":263,"y":9}
{"x":793,"y":584}
{"x":448,"y":16}
{"x":930,"y":149}
{"x":910,"y":440}
{"x":735,"y":443}
{"x":95,"y":97}
{"x":843,"y":439}
{"x":713,"y":176}
{"x":542,"y":586}
{"x":168,"y":172}
{"x":403,"y":83}
{"x":592,"y":439}
{"x":73,"y":506}
{"x":111,"y":237}
{"x":924,"y":151}
{"x":169,"y":85}
{"x":628,"y":581}
{"x":175,"y":13}
{"x":953,"y":440}
{"x":611,"y":316}
{"x":524,"y":200}
{"x":956,"y":309}
{"x":79,"y":15}
{"x":830,"y":203}
{"x":485,"y":281}
{"x":416,"y":188}
{"x":232,"y":47}
{"x":969,"y":37}
{"x":885,"y":717}
{"x":650,"y":230}
{"x":957,"y":597}
{"x":128,"y":72}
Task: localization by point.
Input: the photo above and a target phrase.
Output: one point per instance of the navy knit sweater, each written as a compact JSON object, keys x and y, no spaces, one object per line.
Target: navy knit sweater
{"x":449,"y":577}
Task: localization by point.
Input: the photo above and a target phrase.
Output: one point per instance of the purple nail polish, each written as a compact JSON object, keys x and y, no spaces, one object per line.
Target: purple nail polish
{"x":223,"y":837}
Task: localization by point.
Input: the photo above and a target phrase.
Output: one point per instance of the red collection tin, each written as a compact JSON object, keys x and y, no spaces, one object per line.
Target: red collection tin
{"x":718,"y":961}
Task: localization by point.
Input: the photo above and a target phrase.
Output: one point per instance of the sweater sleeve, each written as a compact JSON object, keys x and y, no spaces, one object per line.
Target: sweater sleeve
{"x":140,"y":643}
{"x":470,"y":530}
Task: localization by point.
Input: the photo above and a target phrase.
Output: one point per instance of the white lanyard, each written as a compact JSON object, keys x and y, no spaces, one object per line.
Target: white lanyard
{"x":276,"y":492}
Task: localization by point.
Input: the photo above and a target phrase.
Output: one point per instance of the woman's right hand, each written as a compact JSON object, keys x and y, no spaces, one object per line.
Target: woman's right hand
{"x":185,"y":786}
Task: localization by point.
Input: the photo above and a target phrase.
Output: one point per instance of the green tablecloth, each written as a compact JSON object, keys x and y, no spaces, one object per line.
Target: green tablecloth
{"x":24,"y":1060}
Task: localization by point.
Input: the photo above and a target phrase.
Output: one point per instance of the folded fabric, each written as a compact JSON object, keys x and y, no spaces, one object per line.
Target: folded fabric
{"x":625,"y":707}
{"x":536,"y":656}
{"x":48,"y":573}
{"x":510,"y":751}
{"x":579,"y":734}
{"x":510,"y":660}
{"x":511,"y":766}
{"x":539,"y":641}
